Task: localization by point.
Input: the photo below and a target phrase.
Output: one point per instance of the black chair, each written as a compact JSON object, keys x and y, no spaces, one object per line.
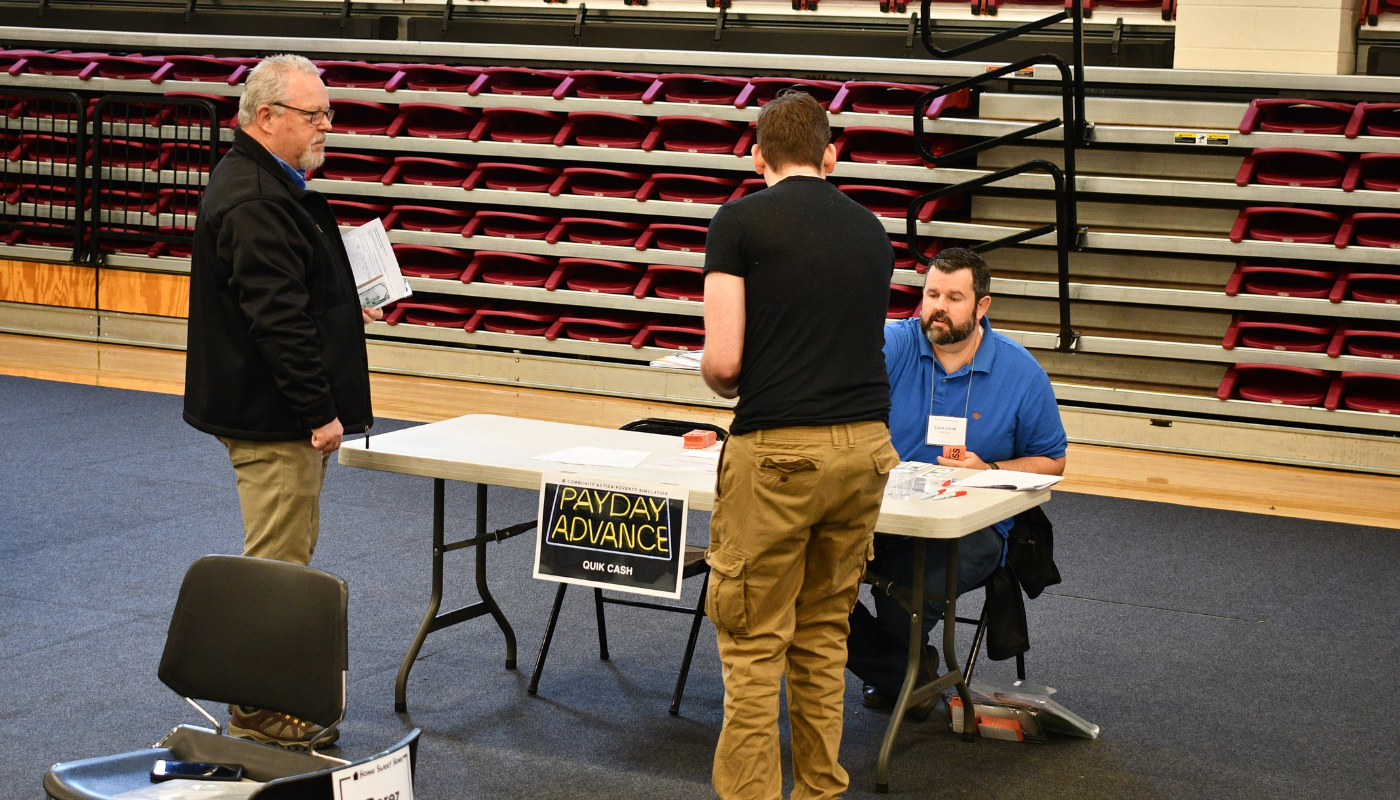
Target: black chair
{"x":245,"y":631}
{"x":693,"y":563}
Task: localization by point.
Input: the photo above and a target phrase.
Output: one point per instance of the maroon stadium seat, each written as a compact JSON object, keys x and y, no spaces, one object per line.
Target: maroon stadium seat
{"x":596,"y":275}
{"x":1287,"y":166}
{"x":154,"y":69}
{"x":592,"y":230}
{"x":1370,"y":229}
{"x":76,"y":65}
{"x":438,"y":77}
{"x":904,"y":301}
{"x":132,"y":113}
{"x":352,"y":167}
{"x":1374,"y":119}
{"x":424,"y":261}
{"x":700,"y":135}
{"x":598,"y":182}
{"x":1378,"y":172}
{"x":1283,"y":224}
{"x":425,"y":171}
{"x":893,"y":201}
{"x":902,"y":258}
{"x":225,"y":109}
{"x":435,"y":121}
{"x":518,"y":125}
{"x":762,"y":90}
{"x":1373,"y":392}
{"x":1367,"y":338}
{"x":364,"y":118}
{"x":434,"y":219}
{"x":684,"y":87}
{"x":868,"y":145}
{"x":1292,"y":279}
{"x":672,"y":282}
{"x":509,"y":269}
{"x":128,"y":247}
{"x":897,"y":99}
{"x":1274,"y":383}
{"x":178,"y":200}
{"x":523,"y":319}
{"x":1278,"y":332}
{"x":671,"y":335}
{"x":603,"y":84}
{"x":208,"y":69}
{"x":1296,"y":116}
{"x":361,"y":75}
{"x":354,"y":214}
{"x":674,"y":236}
{"x":505,"y":176}
{"x":520,"y":81}
{"x":678,"y":187}
{"x":444,"y":312}
{"x":187,"y":156}
{"x":510,"y":225}
{"x":129,"y":153}
{"x":587,"y":325}
{"x":44,"y":147}
{"x":44,"y":194}
{"x":1366,"y":287}
{"x":604,"y":129}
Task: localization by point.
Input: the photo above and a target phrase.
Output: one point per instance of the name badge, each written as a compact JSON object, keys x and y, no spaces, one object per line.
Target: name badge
{"x":947,"y":431}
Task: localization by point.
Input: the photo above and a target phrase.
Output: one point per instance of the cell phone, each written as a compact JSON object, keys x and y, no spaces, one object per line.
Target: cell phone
{"x":164,"y":770}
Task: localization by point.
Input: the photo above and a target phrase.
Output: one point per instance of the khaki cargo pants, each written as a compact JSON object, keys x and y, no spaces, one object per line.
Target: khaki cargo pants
{"x":279,"y":491}
{"x":792,"y":528}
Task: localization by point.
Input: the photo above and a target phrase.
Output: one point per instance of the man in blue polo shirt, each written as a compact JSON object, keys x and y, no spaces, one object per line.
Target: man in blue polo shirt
{"x":950,"y":368}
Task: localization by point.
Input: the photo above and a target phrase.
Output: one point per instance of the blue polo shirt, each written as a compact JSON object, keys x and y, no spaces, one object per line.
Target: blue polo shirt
{"x":298,"y":177}
{"x":1012,"y":413}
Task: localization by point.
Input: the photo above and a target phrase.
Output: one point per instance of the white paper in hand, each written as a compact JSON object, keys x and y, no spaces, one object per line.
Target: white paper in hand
{"x":377,"y":275}
{"x":388,"y":777}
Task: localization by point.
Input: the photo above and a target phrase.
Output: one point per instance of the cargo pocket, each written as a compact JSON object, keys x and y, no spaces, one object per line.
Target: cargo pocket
{"x":726,"y":602}
{"x":780,"y":469}
{"x":886,"y":459}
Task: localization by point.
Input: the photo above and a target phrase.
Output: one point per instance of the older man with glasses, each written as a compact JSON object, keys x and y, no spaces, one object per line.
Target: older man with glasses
{"x":276,"y":365}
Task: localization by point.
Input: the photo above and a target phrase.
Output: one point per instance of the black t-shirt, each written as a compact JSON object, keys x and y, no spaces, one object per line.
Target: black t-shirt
{"x":816,"y":269}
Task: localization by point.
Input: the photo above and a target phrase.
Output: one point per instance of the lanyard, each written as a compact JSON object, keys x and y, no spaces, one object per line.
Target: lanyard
{"x":971,"y":368}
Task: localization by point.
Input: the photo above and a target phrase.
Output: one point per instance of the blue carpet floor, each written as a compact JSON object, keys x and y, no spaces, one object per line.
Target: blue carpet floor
{"x":1225,"y":655}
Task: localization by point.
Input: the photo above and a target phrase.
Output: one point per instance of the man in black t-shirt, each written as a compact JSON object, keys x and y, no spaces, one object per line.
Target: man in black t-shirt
{"x":797,"y":283}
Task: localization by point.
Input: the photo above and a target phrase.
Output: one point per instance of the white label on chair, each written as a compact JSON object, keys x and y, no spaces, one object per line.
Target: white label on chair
{"x":388,"y":777}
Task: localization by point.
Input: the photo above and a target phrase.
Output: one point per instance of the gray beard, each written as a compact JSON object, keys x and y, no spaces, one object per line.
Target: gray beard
{"x":310,"y":159}
{"x":952,"y":336}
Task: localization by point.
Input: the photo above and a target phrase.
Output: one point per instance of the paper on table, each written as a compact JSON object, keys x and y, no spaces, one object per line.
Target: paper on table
{"x":596,"y":457}
{"x":1008,"y":479}
{"x":691,"y":461}
{"x":377,"y":275}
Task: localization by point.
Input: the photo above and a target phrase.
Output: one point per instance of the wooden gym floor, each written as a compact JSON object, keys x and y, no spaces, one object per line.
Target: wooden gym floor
{"x":1332,"y":496}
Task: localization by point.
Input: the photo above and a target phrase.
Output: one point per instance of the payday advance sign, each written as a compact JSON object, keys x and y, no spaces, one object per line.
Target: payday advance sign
{"x":611,"y":534}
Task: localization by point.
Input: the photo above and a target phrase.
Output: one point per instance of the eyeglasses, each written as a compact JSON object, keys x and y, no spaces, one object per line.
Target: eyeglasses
{"x":314,"y":117}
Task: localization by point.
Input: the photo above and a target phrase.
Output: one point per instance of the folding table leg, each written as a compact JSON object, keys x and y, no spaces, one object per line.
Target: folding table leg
{"x":481,"y":587}
{"x":602,"y":624}
{"x":434,"y":601}
{"x":950,"y":615}
{"x":548,"y":637}
{"x":689,"y":649}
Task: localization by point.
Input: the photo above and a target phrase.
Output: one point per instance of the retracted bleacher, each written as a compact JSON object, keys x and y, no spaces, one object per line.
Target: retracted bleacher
{"x":549,"y":205}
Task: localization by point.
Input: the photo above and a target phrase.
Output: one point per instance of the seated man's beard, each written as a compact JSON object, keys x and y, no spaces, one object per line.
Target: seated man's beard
{"x":953,"y":335}
{"x":309,"y":158}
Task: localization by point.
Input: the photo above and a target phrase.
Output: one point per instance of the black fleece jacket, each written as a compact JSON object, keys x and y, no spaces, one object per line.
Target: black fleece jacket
{"x":276,"y":340}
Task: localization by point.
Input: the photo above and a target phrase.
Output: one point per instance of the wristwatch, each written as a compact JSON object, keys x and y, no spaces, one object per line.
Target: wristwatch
{"x":993,"y":465}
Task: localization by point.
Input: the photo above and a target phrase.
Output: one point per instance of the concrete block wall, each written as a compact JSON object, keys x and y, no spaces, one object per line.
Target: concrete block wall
{"x":1299,"y":36}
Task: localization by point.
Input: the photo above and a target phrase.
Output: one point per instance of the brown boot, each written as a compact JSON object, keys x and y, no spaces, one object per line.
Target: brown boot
{"x":272,"y":727}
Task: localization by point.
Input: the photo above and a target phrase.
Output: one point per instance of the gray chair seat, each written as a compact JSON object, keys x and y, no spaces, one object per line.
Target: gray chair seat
{"x":101,"y":778}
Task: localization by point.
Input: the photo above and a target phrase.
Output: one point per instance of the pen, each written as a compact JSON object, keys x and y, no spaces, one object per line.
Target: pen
{"x":943,"y":494}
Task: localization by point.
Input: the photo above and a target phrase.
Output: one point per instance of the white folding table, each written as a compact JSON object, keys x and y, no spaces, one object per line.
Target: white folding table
{"x":491,"y":450}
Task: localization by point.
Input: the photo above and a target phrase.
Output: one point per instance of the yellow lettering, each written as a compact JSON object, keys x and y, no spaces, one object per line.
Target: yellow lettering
{"x":642,"y":542}
{"x":663,"y":541}
{"x":567,"y":493}
{"x":658,"y":506}
{"x":640,"y":507}
{"x":583,"y":501}
{"x":608,"y":534}
{"x":612,"y":505}
{"x":560,"y":527}
{"x":627,"y":538}
{"x":574,"y":534}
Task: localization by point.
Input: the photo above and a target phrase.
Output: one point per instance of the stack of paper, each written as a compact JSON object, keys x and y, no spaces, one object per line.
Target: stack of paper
{"x":596,"y":457}
{"x":377,"y":276}
{"x":1008,"y":479}
{"x":686,"y":359}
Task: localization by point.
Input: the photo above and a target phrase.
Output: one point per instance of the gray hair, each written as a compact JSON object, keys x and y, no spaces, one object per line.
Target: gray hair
{"x":267,"y":84}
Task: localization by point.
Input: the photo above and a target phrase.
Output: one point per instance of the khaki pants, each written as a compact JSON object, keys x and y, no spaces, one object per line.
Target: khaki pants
{"x":279,"y":490}
{"x":791,"y":531}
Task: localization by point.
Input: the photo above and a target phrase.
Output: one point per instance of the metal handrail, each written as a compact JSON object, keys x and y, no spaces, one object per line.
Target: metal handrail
{"x":1064,"y":233}
{"x":1066,"y":225}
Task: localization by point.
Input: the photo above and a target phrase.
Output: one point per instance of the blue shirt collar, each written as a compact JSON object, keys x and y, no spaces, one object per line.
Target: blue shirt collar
{"x":986,"y":351}
{"x":298,"y":177}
